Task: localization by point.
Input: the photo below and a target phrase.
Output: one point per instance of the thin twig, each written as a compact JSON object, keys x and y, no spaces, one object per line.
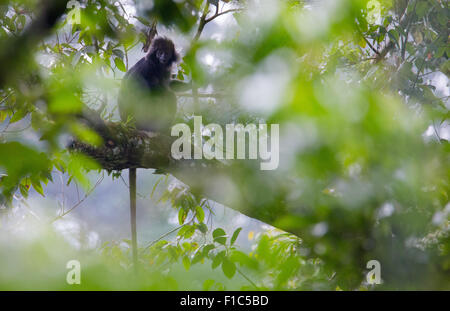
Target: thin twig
{"x":202,"y":22}
{"x":81,"y":201}
{"x":126,"y":185}
{"x":164,"y":235}
{"x":170,"y":232}
{"x":221,"y":13}
{"x":17,"y":131}
{"x":246,"y":277}
{"x":367,"y":41}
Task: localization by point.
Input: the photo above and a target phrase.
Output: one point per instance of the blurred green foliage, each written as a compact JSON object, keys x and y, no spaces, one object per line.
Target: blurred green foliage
{"x":353,"y":93}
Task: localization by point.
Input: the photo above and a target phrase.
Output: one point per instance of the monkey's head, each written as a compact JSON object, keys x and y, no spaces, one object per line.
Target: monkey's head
{"x":162,"y":52}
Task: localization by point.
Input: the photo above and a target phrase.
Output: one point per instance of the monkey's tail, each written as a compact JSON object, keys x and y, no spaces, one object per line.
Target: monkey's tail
{"x":132,"y":181}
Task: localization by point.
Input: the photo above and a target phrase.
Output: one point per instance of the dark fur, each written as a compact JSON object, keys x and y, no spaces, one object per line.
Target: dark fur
{"x":155,"y":107}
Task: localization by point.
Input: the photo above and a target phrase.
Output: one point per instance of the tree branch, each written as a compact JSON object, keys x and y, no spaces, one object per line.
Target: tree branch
{"x":221,"y":13}
{"x":367,"y":41}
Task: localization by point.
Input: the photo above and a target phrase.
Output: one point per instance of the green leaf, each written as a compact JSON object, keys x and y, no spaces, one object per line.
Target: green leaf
{"x":186,"y":262}
{"x":3,"y":115}
{"x":440,"y":52}
{"x":221,"y":240}
{"x":208,"y":284}
{"x":200,"y":213}
{"x":190,"y":232}
{"x":207,"y":249}
{"x":38,"y":187}
{"x":187,"y":246}
{"x":119,"y":53}
{"x":85,"y":134}
{"x":202,"y":227}
{"x":181,"y":216}
{"x":219,"y":236}
{"x":186,"y":232}
{"x":23,"y":190}
{"x":154,"y":187}
{"x":173,"y":252}
{"x":119,"y":64}
{"x":77,"y":166}
{"x":243,"y":259}
{"x":228,"y":268}
{"x":18,"y":115}
{"x":218,"y":259}
{"x":22,"y":21}
{"x":19,"y":161}
{"x":235,"y":236}
{"x":393,"y":34}
{"x":218,"y":233}
{"x":198,"y":257}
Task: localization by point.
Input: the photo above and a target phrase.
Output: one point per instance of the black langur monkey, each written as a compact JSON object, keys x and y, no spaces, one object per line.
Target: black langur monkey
{"x":145,"y":95}
{"x":147,"y":99}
